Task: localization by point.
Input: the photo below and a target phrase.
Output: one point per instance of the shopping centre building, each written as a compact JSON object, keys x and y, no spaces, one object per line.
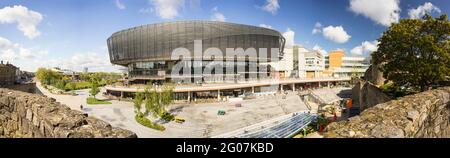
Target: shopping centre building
{"x":206,"y":59}
{"x":152,"y":52}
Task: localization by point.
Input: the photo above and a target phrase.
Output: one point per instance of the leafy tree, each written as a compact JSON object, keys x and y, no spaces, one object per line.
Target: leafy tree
{"x":71,"y":86}
{"x":94,"y":89}
{"x":156,"y":102}
{"x":60,"y":84}
{"x":166,"y":96}
{"x":152,"y":103}
{"x":138,"y":100}
{"x":47,"y":76}
{"x":41,"y":74}
{"x":415,"y":53}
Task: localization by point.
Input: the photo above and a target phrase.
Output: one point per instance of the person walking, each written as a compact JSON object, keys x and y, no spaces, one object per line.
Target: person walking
{"x":81,"y":106}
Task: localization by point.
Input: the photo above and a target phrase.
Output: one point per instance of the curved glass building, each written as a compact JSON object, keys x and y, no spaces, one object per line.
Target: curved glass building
{"x":147,"y":50}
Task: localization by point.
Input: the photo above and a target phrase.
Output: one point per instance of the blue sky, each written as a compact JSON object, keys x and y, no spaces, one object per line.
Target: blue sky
{"x":72,"y":33}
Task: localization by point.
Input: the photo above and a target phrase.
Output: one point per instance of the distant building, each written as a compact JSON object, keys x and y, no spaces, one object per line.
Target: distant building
{"x":338,"y":65}
{"x":299,"y":62}
{"x":284,"y":67}
{"x":67,"y":73}
{"x":8,"y":74}
{"x":85,"y":70}
{"x":314,"y":64}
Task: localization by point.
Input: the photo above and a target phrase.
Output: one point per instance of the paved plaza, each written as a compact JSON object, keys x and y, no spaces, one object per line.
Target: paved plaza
{"x":201,"y":119}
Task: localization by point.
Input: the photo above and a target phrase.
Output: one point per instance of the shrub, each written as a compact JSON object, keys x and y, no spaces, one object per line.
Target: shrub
{"x":167,"y":116}
{"x":82,"y":85}
{"x":147,"y":123}
{"x":60,"y":84}
{"x":92,"y":100}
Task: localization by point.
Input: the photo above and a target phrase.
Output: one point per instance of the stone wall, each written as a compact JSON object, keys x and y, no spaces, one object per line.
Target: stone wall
{"x":374,"y":75}
{"x":25,"y":87}
{"x":366,"y":95}
{"x":423,"y":115}
{"x":36,"y":116}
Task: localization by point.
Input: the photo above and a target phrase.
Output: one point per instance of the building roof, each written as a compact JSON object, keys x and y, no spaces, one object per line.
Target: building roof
{"x":155,"y":42}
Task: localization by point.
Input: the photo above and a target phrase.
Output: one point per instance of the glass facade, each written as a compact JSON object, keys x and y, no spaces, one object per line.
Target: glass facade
{"x":146,"y":50}
{"x":210,"y":71}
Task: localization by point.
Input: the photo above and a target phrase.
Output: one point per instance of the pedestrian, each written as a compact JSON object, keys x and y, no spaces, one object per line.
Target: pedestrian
{"x":81,"y":106}
{"x":335,"y":117}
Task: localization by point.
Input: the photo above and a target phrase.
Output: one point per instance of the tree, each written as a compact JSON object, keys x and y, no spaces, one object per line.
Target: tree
{"x":415,"y":53}
{"x":155,"y":102}
{"x":166,"y":96}
{"x":60,"y":84}
{"x":47,"y":76}
{"x":71,"y":86}
{"x":152,"y":103}
{"x":42,"y":74}
{"x":138,"y":100}
{"x":94,"y":89}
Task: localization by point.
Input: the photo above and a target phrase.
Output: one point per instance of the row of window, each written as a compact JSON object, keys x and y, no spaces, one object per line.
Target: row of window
{"x":155,"y":68}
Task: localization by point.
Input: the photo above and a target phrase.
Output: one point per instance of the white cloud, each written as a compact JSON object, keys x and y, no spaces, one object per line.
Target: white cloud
{"x":217,"y":16}
{"x":271,"y":6}
{"x":289,"y":35}
{"x":12,"y":51}
{"x":365,"y":47}
{"x":27,"y":20}
{"x":120,"y":5}
{"x":31,"y":59}
{"x":167,"y":9}
{"x":265,"y":26}
{"x":336,"y":34}
{"x":384,"y":12}
{"x":92,"y":60}
{"x":420,"y":11}
{"x":319,"y":49}
{"x":317,"y":28}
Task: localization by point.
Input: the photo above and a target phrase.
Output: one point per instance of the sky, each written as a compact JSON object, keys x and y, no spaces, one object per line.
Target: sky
{"x":72,"y":34}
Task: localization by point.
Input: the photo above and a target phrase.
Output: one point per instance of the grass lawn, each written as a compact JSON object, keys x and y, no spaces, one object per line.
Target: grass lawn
{"x":92,"y":100}
{"x":82,"y":85}
{"x":86,"y":85}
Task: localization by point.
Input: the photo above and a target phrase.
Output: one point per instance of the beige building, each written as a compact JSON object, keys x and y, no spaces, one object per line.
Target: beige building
{"x":8,"y":74}
{"x":299,"y":62}
{"x":339,"y":65}
{"x":314,"y":64}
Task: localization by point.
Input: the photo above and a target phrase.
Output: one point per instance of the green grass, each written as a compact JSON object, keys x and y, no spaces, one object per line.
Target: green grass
{"x":91,"y":101}
{"x":147,"y":123}
{"x":86,"y":85}
{"x":82,"y":85}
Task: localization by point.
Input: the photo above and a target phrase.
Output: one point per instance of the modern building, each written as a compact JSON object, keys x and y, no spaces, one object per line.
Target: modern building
{"x":8,"y":74}
{"x":314,"y":64}
{"x":148,"y":51}
{"x":283,"y":68}
{"x":339,"y":65}
{"x":299,"y":62}
{"x":152,"y":53}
